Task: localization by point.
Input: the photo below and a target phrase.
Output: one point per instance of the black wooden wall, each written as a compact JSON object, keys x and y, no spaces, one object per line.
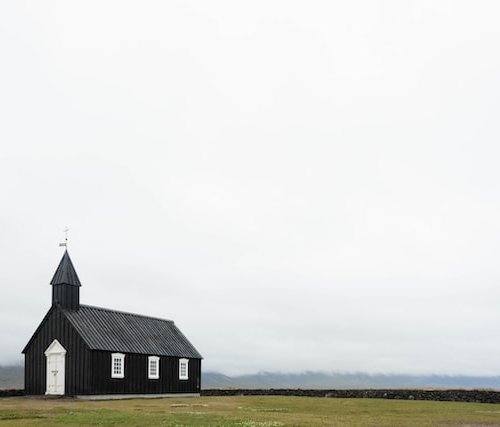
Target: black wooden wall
{"x":68,"y":296}
{"x":77,"y":372}
{"x":89,"y":371}
{"x":136,"y":375}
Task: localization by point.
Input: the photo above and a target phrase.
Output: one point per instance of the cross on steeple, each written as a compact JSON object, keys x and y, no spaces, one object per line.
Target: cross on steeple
{"x":65,"y":244}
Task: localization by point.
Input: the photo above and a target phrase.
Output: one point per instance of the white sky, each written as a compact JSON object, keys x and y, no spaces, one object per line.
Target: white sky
{"x":299,"y":185}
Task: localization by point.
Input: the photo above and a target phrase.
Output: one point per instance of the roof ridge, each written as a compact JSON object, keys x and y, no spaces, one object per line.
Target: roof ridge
{"x":126,"y":312}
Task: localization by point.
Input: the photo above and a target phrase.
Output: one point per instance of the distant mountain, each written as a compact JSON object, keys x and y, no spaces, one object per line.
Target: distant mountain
{"x":314,"y":380}
{"x":12,"y":377}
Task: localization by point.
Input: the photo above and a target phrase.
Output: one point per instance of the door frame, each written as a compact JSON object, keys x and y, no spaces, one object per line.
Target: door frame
{"x":56,"y":350}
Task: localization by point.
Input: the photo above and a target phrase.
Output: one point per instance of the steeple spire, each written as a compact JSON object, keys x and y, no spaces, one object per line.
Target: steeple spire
{"x":65,"y":273}
{"x":66,"y":285}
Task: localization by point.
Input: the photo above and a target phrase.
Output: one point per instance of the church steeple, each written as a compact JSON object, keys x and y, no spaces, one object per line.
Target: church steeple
{"x":66,"y":285}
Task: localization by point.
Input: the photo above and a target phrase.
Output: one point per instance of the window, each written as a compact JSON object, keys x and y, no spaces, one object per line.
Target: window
{"x":153,"y":367}
{"x":183,"y":369}
{"x":117,"y":365}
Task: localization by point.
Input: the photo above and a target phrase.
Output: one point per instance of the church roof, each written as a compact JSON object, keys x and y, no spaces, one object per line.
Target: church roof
{"x":110,"y":330}
{"x":65,"y":273}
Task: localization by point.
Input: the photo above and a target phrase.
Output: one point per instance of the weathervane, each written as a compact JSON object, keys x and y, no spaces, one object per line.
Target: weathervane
{"x":65,"y":244}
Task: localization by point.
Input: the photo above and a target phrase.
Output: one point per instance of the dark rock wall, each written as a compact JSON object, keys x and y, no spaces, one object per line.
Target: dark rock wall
{"x":481,"y":396}
{"x":11,"y":393}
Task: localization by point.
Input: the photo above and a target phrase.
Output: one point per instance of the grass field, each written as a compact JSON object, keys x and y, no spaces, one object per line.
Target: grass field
{"x":265,"y":411}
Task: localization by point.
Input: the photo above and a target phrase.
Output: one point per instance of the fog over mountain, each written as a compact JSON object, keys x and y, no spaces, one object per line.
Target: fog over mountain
{"x":315,"y":380}
{"x":12,"y":377}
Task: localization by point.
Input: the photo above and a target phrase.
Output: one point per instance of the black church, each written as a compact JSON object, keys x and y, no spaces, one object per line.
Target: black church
{"x":90,"y":351}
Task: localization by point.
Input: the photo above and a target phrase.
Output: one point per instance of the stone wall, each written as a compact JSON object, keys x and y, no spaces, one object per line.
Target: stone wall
{"x":10,"y":393}
{"x":481,"y":396}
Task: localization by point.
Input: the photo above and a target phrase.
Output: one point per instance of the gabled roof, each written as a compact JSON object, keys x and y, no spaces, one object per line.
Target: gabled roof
{"x":65,"y":273}
{"x":110,"y":330}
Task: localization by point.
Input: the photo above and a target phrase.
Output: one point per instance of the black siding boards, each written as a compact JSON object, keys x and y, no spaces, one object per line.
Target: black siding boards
{"x":66,"y":295}
{"x":89,"y":371}
{"x":136,"y":375}
{"x":77,"y":370}
{"x":91,"y":334}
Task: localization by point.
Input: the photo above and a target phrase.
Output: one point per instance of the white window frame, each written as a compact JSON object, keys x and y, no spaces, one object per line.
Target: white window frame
{"x":156,"y":360}
{"x":121,"y":358}
{"x":184,"y":362}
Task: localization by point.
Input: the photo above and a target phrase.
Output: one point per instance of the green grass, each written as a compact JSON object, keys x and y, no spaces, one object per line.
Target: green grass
{"x":248,"y":411}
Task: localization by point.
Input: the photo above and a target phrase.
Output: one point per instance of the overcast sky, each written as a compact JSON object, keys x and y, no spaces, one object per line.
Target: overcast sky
{"x":299,"y":185}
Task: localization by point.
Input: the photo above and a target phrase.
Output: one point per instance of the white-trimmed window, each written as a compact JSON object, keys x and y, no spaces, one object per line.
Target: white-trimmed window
{"x":183,"y":369}
{"x":117,"y":365}
{"x":153,"y":367}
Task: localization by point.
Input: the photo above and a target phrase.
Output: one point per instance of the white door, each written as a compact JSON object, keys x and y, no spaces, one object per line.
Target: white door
{"x":56,"y":360}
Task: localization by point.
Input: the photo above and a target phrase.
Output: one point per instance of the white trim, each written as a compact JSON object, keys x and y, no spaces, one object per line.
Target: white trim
{"x":55,"y":348}
{"x":154,"y":360}
{"x":119,"y":372}
{"x":183,"y":369}
{"x":56,"y":367}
